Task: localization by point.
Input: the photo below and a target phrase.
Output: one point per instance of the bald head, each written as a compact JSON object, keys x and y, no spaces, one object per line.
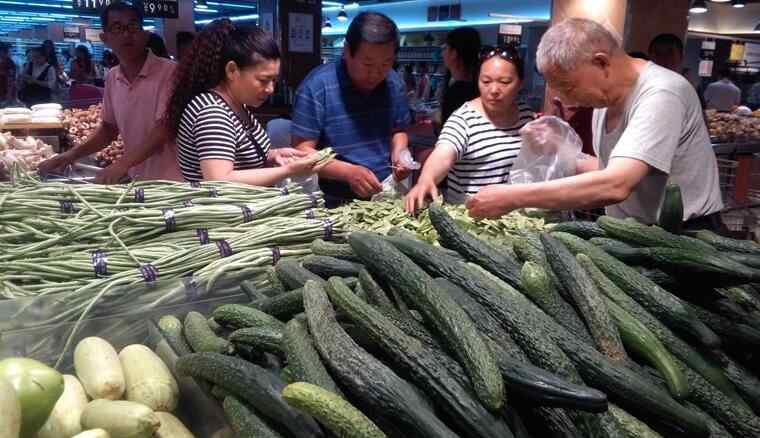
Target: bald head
{"x":572,"y":42}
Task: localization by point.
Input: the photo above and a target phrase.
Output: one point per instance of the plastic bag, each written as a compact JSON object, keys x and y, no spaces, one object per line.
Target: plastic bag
{"x":393,"y":189}
{"x":550,"y":149}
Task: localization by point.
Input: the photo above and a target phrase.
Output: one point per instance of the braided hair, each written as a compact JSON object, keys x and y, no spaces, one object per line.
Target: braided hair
{"x":205,"y":66}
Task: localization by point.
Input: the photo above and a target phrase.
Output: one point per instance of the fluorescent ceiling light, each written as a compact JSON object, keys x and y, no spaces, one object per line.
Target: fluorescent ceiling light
{"x":236,"y":18}
{"x":206,"y":10}
{"x":699,"y":7}
{"x":720,"y":1}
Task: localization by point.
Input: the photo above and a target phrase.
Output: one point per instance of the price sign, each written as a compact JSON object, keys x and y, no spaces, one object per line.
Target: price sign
{"x":160,"y":8}
{"x":90,"y":5}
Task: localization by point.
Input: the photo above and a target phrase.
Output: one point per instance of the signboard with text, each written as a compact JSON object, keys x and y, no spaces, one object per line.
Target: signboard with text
{"x":159,"y":8}
{"x":90,"y":5}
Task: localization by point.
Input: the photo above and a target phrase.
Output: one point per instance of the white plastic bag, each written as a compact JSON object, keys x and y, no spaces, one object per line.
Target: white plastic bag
{"x":550,"y":149}
{"x":393,"y":189}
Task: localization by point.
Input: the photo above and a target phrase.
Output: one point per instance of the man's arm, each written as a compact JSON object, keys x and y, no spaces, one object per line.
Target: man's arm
{"x":399,"y":143}
{"x":589,"y":164}
{"x":156,"y":140}
{"x":104,"y":135}
{"x":599,"y":188}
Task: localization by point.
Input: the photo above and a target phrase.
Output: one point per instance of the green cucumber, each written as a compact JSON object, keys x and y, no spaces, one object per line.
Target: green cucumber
{"x":582,"y":229}
{"x":671,"y":210}
{"x":744,"y":296}
{"x":716,"y":429}
{"x":645,"y":235}
{"x":275,"y":284}
{"x":171,"y":329}
{"x":303,"y":358}
{"x":200,"y":336}
{"x":237,"y":316}
{"x":332,"y":410}
{"x":264,"y":338}
{"x":440,"y":311}
{"x":632,"y":426}
{"x":426,"y":366}
{"x":293,"y":275}
{"x":745,"y":381}
{"x":375,"y":386}
{"x":375,"y":294}
{"x":283,"y":306}
{"x":658,"y":276}
{"x":606,"y":242}
{"x":637,"y":337}
{"x":250,"y":384}
{"x":537,"y":285}
{"x":244,"y":420}
{"x":338,"y":250}
{"x":751,"y":260}
{"x":326,"y":266}
{"x":662,"y":304}
{"x":731,"y":331}
{"x":451,"y":236}
{"x":728,"y":244}
{"x":586,"y":297}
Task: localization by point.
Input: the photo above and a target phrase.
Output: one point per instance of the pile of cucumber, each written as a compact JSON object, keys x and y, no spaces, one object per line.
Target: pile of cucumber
{"x":129,"y":394}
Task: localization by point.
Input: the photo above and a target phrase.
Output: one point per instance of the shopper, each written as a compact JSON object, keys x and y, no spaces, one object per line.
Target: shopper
{"x":666,"y":50}
{"x":7,"y":76}
{"x":723,"y":95}
{"x":38,"y":80}
{"x":82,"y":68}
{"x":648,"y":130}
{"x":357,"y":105}
{"x":134,"y":102}
{"x":184,"y":44}
{"x":48,"y":47}
{"x":460,"y":55}
{"x":753,"y":99}
{"x":480,"y":141}
{"x":232,"y":71}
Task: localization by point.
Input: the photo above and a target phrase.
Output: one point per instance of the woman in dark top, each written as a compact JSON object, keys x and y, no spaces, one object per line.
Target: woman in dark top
{"x":460,"y":54}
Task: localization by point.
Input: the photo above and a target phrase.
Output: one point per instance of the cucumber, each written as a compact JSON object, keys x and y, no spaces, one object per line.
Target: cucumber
{"x":92,"y":433}
{"x":251,"y":384}
{"x":716,"y":429}
{"x":671,"y":210}
{"x":586,"y":297}
{"x":662,"y":304}
{"x":303,"y":359}
{"x":293,"y":275}
{"x":121,"y":419}
{"x":265,"y":338}
{"x":583,"y":229}
{"x":330,"y":409}
{"x":451,"y":236}
{"x":751,"y":260}
{"x":638,"y":338}
{"x":148,"y":380}
{"x":171,"y":329}
{"x":626,"y":388}
{"x":607,"y":243}
{"x":425,"y":366}
{"x":728,"y":244}
{"x":10,"y":410}
{"x":245,"y":422}
{"x":274,"y":282}
{"x":644,"y":235}
{"x":744,"y":295}
{"x":200,"y":336}
{"x":658,"y":277}
{"x":537,"y":285}
{"x":65,"y":419}
{"x":237,"y":316}
{"x":171,"y":427}
{"x":440,"y":311}
{"x":633,"y":427}
{"x":734,"y":333}
{"x":746,"y":383}
{"x":99,"y":370}
{"x":374,"y":385}
{"x":375,"y":294}
{"x":327,"y":267}
{"x":338,"y":250}
{"x":283,"y":306}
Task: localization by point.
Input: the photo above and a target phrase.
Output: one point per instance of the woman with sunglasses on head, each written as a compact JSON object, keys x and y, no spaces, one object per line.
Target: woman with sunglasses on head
{"x":480,"y":141}
{"x":229,"y":72}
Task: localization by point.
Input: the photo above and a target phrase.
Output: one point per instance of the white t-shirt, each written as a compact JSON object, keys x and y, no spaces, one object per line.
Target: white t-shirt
{"x":484,"y":153}
{"x":662,"y":125}
{"x":722,"y":95}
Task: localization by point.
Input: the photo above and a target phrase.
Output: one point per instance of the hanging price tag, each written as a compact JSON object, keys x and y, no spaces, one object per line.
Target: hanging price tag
{"x":160,"y":8}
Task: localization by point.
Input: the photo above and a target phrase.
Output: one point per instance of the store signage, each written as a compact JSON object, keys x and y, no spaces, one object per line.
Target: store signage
{"x":72,"y":33}
{"x":92,"y":35}
{"x":91,"y":5}
{"x":159,"y":8}
{"x":752,"y":54}
{"x":510,"y":34}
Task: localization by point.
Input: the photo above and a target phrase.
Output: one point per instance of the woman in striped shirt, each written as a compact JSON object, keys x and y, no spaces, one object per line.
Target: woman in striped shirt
{"x":229,"y":72}
{"x":480,"y":141}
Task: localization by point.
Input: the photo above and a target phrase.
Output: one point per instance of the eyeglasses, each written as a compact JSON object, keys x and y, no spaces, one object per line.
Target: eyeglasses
{"x":122,"y":29}
{"x":506,"y":52}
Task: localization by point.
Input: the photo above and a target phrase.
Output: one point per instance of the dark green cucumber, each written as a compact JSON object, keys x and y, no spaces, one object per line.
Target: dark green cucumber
{"x":645,"y":235}
{"x":249,"y":289}
{"x":245,"y":422}
{"x":744,"y":296}
{"x":274,"y":282}
{"x":731,"y":331}
{"x":728,"y":244}
{"x":332,"y":410}
{"x":171,"y":329}
{"x":451,"y":236}
{"x":606,"y":242}
{"x":583,"y":229}
{"x":662,"y":304}
{"x":338,"y":250}
{"x":237,"y":316}
{"x":250,"y":384}
{"x":537,"y":285}
{"x":286,"y":375}
{"x":370,"y":382}
{"x":631,"y":426}
{"x":424,"y":365}
{"x":303,"y":359}
{"x":326,"y":266}
{"x":671,"y":210}
{"x":637,"y":337}
{"x":586,"y":297}
{"x":745,"y":381}
{"x":530,"y":249}
{"x":516,"y":423}
{"x":658,"y":276}
{"x":283,"y":306}
{"x":200,"y":336}
{"x":375,"y":294}
{"x":264,"y":338}
{"x":293,"y":275}
{"x":630,"y":391}
{"x":716,"y":429}
{"x":751,"y":260}
{"x":440,"y":311}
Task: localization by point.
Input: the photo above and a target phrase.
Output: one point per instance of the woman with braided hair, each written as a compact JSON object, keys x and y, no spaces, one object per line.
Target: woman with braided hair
{"x":228,"y":72}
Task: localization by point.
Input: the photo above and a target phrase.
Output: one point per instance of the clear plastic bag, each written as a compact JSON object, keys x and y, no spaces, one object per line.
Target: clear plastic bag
{"x":550,"y":149}
{"x":393,"y":189}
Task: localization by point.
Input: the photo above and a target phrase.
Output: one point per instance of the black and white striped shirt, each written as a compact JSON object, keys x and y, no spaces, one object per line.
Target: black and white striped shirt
{"x":485,"y":153}
{"x":210,"y":130}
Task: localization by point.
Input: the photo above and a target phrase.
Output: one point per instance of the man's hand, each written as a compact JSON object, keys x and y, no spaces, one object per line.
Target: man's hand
{"x":363,"y":182}
{"x":490,"y":202}
{"x":112,"y":174}
{"x":57,"y":162}
{"x":419,"y":195}
{"x":399,"y":170}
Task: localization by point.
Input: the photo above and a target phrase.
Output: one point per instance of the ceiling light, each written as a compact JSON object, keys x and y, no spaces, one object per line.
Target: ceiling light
{"x":342,"y":16}
{"x":720,"y":1}
{"x":326,"y":23}
{"x":738,"y":3}
{"x":699,"y":7}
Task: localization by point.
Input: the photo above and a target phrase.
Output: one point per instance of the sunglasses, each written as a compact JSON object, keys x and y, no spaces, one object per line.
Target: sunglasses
{"x":506,"y":52}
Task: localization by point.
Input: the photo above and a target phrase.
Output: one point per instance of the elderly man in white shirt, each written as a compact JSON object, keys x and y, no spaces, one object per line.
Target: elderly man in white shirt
{"x":723,"y":95}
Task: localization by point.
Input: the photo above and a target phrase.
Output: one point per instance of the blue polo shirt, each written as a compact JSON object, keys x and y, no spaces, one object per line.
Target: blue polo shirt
{"x":329,"y":109}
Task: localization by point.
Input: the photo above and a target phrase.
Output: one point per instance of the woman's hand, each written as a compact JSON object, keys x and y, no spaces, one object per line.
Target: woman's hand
{"x":418,"y":197}
{"x":284,"y":156}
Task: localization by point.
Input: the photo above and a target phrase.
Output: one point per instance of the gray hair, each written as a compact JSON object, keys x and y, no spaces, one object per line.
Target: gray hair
{"x":572,"y":42}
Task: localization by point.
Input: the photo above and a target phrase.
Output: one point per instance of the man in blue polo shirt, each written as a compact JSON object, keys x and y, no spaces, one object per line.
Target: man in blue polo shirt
{"x":358,"y":107}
